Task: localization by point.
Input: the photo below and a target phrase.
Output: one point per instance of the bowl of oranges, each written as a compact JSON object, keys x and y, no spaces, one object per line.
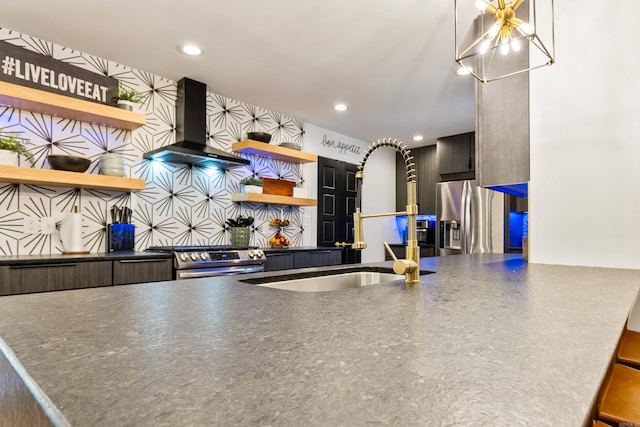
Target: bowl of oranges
{"x":279,"y":241}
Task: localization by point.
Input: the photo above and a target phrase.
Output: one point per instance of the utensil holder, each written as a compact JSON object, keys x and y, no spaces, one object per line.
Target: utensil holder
{"x":120,"y":237}
{"x":240,"y":236}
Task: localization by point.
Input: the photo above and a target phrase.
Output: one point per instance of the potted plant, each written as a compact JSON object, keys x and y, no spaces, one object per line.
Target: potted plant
{"x":251,"y":185}
{"x":11,"y":148}
{"x":126,"y":98}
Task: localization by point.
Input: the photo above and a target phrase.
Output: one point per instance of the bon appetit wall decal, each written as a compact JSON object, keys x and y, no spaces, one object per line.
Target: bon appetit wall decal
{"x":344,"y":148}
{"x":27,"y":68}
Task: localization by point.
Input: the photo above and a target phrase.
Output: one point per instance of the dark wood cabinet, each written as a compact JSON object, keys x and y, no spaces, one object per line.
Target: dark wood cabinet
{"x":128,"y":271}
{"x":317,"y":258}
{"x":457,"y":157}
{"x":427,"y":177}
{"x":502,"y":122}
{"x":518,"y":204}
{"x":288,"y":260}
{"x":27,"y":278}
{"x":278,"y":261}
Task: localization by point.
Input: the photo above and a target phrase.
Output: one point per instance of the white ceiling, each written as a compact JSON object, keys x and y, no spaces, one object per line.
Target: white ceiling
{"x":390,"y":61}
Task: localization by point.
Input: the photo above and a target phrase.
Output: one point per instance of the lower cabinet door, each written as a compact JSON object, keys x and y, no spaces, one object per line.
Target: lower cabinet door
{"x":24,"y":279}
{"x":128,"y":271}
{"x":318,"y":258}
{"x":279,"y":261}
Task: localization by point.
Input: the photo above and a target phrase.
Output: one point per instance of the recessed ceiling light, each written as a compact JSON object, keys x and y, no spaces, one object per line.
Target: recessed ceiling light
{"x":340,"y":107}
{"x":418,"y":138}
{"x":190,"y":49}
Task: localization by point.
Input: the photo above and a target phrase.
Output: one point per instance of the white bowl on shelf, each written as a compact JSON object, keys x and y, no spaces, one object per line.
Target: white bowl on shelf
{"x":300,"y":192}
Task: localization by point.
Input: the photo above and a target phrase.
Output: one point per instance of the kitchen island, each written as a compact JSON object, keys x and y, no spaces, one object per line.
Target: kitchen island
{"x":486,"y":340}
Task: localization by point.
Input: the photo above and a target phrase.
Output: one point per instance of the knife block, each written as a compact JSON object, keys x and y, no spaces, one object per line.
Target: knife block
{"x":120,"y":237}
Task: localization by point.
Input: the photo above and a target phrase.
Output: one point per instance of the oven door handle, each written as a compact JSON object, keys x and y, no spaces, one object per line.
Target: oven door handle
{"x":220,"y":271}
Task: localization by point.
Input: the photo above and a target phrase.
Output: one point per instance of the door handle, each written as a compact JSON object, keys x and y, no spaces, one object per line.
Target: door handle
{"x":67,"y":264}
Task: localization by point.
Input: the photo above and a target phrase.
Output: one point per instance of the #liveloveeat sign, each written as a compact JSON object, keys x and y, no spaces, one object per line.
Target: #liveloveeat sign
{"x":27,"y":68}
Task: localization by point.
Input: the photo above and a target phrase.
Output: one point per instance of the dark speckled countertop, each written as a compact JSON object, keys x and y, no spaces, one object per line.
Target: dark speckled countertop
{"x":487,"y":340}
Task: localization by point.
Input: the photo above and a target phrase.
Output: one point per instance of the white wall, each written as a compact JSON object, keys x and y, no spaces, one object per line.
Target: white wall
{"x":585,"y":140}
{"x":379,"y":191}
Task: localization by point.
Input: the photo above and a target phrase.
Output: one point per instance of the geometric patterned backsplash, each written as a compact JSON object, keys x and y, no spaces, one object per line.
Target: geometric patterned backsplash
{"x":181,"y":205}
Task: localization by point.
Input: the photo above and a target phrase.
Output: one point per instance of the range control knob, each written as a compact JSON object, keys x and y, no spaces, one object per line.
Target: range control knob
{"x":194,"y":256}
{"x":251,"y":254}
{"x":183,"y":256}
{"x":259,"y":253}
{"x":203,"y":256}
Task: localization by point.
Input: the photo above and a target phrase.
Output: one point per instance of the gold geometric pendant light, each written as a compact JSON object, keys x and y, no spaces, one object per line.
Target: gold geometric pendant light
{"x":501,"y":38}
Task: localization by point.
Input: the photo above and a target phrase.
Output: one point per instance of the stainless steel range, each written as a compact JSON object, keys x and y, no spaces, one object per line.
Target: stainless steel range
{"x":208,"y":261}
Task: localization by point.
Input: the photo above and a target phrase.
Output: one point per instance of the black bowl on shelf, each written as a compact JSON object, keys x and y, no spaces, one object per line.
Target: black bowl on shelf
{"x":259,"y":136}
{"x":69,"y":163}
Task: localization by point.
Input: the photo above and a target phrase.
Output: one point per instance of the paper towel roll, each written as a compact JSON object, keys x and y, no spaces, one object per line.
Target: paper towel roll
{"x":71,"y":234}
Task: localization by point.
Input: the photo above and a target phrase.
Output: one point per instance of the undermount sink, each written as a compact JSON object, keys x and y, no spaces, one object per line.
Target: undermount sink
{"x":327,"y":281}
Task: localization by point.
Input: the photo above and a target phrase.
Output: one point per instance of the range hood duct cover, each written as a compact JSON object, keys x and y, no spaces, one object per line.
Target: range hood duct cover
{"x":191,"y":132}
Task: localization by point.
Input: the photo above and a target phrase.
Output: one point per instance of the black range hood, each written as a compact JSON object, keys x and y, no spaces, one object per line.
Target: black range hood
{"x":191,"y":132}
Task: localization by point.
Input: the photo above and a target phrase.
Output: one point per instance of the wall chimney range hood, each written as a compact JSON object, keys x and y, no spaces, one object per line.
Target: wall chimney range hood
{"x":191,"y":132}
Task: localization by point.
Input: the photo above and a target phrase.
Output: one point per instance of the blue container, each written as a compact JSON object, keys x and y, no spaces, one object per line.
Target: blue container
{"x":121,"y":237}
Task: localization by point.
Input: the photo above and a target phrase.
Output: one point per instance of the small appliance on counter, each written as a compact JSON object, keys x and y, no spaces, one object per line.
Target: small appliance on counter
{"x":71,"y":234}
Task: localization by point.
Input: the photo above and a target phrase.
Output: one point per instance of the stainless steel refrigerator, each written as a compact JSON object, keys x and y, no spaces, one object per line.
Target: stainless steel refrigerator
{"x":469,"y":219}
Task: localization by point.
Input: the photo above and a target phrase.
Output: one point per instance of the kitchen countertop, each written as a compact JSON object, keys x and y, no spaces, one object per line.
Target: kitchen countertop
{"x":487,"y":340}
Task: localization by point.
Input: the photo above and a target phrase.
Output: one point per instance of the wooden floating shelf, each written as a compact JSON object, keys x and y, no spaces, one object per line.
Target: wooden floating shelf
{"x":35,"y":176}
{"x":249,"y":146}
{"x":52,"y":104}
{"x":272,"y":198}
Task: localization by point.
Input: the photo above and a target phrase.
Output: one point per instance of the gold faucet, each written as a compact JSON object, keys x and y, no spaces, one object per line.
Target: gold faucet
{"x":410,"y":266}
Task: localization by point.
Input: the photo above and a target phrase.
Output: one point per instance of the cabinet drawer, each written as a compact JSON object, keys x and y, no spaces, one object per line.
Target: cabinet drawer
{"x":278,"y":261}
{"x":317,"y":258}
{"x":22,"y":279}
{"x":142,"y":270}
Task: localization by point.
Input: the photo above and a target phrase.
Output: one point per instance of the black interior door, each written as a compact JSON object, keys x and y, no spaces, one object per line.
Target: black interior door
{"x":336,"y":205}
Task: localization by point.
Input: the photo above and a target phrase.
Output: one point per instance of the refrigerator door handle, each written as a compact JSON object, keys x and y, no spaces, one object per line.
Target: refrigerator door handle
{"x":465,"y":218}
{"x":470,"y":222}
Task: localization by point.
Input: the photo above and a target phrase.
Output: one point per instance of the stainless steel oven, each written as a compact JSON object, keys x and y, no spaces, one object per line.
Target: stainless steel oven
{"x":209,"y":261}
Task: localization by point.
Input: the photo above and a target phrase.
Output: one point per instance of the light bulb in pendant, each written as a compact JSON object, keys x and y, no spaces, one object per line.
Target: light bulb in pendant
{"x":484,"y":46}
{"x":504,"y":47}
{"x":494,"y":30}
{"x":482,"y":5}
{"x":526,"y":28}
{"x":515,"y":45}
